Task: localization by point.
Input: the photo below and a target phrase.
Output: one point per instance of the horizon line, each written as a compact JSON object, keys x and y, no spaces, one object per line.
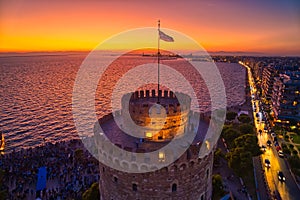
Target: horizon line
{"x":242,"y":53}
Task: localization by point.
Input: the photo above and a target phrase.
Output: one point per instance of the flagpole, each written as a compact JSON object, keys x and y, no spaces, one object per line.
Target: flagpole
{"x":158,"y":61}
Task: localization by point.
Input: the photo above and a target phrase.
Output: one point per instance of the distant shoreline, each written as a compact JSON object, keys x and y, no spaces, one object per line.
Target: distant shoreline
{"x":211,"y":53}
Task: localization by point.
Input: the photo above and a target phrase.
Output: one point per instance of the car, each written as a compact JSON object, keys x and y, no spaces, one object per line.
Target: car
{"x":267,"y":163}
{"x":281,"y":176}
{"x":276,"y":144}
{"x":280,"y":154}
{"x":273,"y":134}
{"x":263,"y":147}
{"x":269,"y":143}
{"x":278,"y":148}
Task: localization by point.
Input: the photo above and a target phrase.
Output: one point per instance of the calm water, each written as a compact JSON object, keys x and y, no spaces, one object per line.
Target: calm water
{"x":36,"y":96}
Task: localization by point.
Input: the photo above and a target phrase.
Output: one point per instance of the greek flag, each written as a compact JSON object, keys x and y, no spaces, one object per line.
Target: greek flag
{"x":165,"y":37}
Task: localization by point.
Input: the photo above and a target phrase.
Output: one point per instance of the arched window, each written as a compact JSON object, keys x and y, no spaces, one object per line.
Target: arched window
{"x":207,"y":173}
{"x":174,"y":187}
{"x":134,"y":187}
{"x":202,"y":197}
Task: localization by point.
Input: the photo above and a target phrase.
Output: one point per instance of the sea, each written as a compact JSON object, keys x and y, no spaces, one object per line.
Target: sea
{"x":36,"y":94}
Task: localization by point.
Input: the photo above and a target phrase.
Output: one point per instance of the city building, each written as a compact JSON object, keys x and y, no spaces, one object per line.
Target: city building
{"x":268,"y":75}
{"x":286,"y":98}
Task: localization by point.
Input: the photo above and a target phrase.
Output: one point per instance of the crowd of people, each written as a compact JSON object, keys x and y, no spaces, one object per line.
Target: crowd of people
{"x":70,"y":171}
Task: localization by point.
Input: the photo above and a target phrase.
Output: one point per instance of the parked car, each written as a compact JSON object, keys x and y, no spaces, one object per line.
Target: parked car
{"x":267,"y":163}
{"x":281,"y":176}
{"x":263,"y":147}
{"x":278,"y":148}
{"x":269,"y":143}
{"x":280,"y":154}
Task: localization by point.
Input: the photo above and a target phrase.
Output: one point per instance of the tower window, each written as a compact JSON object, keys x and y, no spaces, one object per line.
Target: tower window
{"x":115,"y":179}
{"x":174,"y":187}
{"x":134,"y":187}
{"x":188,"y":154}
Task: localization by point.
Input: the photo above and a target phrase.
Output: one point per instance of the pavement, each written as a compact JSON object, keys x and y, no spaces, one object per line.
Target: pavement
{"x":262,"y":189}
{"x":231,"y":182}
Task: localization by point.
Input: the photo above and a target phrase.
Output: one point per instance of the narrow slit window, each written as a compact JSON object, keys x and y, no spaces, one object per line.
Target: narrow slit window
{"x":174,"y":187}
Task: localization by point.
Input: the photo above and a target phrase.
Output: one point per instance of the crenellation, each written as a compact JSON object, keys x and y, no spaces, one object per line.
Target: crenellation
{"x":166,"y":94}
{"x":142,"y":94}
{"x":153,"y":93}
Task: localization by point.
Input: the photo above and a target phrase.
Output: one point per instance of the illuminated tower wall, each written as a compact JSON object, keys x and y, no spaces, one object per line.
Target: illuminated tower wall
{"x":189,"y":177}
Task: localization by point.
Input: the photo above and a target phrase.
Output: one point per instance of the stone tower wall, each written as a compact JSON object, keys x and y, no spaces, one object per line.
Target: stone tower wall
{"x":192,"y":177}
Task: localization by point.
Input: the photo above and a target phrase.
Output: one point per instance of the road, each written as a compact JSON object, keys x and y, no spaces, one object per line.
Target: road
{"x":288,"y":190}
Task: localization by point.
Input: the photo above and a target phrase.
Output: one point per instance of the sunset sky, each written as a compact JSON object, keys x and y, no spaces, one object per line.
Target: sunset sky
{"x":271,"y":27}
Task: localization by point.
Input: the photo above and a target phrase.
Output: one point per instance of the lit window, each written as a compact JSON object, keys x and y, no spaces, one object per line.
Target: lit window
{"x":294,"y":103}
{"x":207,"y":144}
{"x":161,"y":156}
{"x":149,"y":135}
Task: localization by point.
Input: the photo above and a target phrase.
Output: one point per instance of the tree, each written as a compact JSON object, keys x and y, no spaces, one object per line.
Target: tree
{"x":225,"y":127}
{"x":239,"y":160}
{"x":231,"y":116}
{"x":229,"y":135}
{"x":217,"y":183}
{"x":78,"y":155}
{"x":249,"y":143}
{"x":92,"y":193}
{"x":217,"y":156}
{"x":246,"y":129}
{"x":244,"y":118}
{"x":293,"y":122}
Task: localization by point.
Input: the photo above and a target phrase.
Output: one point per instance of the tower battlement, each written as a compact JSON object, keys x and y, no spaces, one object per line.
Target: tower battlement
{"x":163,"y":116}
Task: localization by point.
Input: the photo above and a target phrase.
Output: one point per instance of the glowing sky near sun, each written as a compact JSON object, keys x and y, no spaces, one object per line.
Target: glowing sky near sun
{"x":271,"y":27}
